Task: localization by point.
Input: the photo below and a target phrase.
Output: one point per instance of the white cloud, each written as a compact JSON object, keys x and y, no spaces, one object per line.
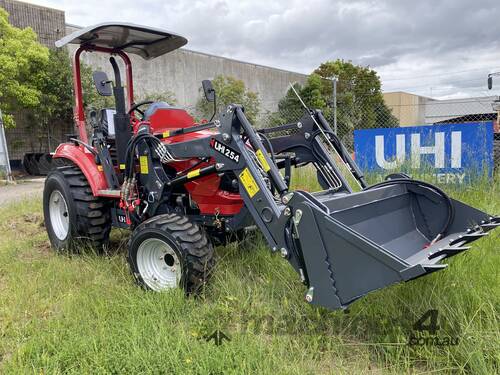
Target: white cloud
{"x":415,"y":46}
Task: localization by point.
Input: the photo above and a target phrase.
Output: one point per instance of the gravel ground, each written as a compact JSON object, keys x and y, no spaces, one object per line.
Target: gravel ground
{"x":20,"y":191}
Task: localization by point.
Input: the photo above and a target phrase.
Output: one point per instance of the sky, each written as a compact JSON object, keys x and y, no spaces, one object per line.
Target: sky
{"x":442,"y":49}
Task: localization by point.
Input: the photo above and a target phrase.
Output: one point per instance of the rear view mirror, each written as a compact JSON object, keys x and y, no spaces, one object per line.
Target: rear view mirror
{"x":490,"y":82}
{"x":208,"y":89}
{"x":102,"y":84}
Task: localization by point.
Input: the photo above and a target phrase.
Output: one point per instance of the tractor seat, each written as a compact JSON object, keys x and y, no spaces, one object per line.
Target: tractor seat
{"x":154,"y":107}
{"x":163,"y":116}
{"x":107,"y":122}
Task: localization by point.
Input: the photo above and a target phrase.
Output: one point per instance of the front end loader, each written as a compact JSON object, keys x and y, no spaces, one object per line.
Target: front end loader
{"x":182,"y":187}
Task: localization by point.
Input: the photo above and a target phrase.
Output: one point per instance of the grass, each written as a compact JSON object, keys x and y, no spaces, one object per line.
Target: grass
{"x":83,"y":314}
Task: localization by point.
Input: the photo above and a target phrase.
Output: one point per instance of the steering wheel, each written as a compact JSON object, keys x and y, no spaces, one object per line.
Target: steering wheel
{"x":136,"y":106}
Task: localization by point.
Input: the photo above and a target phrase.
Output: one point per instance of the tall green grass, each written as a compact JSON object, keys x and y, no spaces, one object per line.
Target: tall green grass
{"x":83,"y":314}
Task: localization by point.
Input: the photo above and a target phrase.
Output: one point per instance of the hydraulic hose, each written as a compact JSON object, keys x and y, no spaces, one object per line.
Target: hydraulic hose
{"x":269,"y":144}
{"x":131,"y":147}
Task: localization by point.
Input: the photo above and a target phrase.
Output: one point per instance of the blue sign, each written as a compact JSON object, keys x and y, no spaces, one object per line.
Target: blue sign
{"x":454,"y":153}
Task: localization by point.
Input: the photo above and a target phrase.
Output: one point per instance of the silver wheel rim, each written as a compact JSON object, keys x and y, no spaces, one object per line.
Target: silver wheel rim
{"x":158,"y":264}
{"x":59,"y":216}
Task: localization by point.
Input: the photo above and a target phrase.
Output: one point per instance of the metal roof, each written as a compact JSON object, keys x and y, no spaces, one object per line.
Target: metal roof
{"x":144,"y":41}
{"x":442,"y":110}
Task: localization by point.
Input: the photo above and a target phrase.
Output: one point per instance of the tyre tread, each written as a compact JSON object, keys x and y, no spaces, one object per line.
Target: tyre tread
{"x":198,"y":252}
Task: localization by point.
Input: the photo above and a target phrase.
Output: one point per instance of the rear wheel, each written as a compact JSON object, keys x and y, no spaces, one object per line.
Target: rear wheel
{"x":73,"y":216}
{"x":169,"y":251}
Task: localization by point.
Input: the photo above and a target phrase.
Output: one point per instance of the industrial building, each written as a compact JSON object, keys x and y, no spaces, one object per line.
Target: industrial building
{"x":412,"y":110}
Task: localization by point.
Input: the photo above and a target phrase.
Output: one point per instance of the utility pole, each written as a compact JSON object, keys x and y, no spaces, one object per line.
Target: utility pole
{"x":334,"y":82}
{"x":496,"y":103}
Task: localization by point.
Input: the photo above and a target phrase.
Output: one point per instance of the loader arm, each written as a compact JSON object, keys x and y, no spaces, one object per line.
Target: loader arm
{"x":312,"y":140}
{"x":266,"y":211}
{"x":343,"y":244}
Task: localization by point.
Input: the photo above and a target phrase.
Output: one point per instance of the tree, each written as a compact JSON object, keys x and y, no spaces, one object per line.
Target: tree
{"x":22,"y":65}
{"x":56,"y":99}
{"x":360,"y":103}
{"x":230,"y":90}
{"x":359,"y":95}
{"x":289,"y":109}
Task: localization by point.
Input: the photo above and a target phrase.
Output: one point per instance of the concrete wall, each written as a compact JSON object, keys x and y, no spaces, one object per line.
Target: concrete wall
{"x":48,"y":23}
{"x":182,"y":71}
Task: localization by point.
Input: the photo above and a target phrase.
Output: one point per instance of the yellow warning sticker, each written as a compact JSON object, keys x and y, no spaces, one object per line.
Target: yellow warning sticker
{"x":166,"y":134}
{"x":122,"y":166}
{"x":143,"y":162}
{"x":194,"y":173}
{"x":248,"y":182}
{"x":262,"y":160}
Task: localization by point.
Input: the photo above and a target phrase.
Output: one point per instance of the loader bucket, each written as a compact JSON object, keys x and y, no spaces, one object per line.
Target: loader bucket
{"x":356,"y":243}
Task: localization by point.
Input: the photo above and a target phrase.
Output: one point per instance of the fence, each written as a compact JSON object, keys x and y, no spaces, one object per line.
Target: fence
{"x":345,"y":112}
{"x":29,"y":137}
{"x":348,"y":113}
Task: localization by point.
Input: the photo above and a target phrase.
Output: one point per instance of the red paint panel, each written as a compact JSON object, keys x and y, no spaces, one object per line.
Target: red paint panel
{"x":85,"y":161}
{"x":170,"y":118}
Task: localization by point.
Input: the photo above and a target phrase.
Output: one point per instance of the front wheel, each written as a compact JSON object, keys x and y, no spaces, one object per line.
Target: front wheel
{"x":169,"y":251}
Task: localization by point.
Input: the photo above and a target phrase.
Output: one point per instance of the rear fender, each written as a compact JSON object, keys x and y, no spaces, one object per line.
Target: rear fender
{"x":85,"y":161}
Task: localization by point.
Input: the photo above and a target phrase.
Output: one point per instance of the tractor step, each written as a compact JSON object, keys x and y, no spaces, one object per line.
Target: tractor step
{"x":108,"y":193}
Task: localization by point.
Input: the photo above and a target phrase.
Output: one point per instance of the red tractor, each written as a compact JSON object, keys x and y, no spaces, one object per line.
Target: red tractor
{"x":182,"y":187}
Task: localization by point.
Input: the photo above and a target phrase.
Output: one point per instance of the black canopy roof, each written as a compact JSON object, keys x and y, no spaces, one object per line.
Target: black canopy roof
{"x":146,"y":42}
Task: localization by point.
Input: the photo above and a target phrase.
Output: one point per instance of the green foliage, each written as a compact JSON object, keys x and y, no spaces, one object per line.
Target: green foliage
{"x":289,"y":109}
{"x":91,"y":98}
{"x":56,"y":102}
{"x":39,"y":80}
{"x":22,"y":64}
{"x":360,"y":103}
{"x":165,"y":96}
{"x":230,"y":90}
{"x":56,"y":99}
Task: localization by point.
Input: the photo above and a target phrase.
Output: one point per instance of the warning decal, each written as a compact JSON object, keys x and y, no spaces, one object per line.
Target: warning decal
{"x":248,"y":182}
{"x":262,"y":160}
{"x":143,"y":162}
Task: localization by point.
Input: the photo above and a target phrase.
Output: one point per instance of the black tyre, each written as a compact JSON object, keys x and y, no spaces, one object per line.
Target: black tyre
{"x":169,"y":251}
{"x":73,"y":216}
{"x":30,"y":165}
{"x":27,"y":164}
{"x":45,"y":163}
